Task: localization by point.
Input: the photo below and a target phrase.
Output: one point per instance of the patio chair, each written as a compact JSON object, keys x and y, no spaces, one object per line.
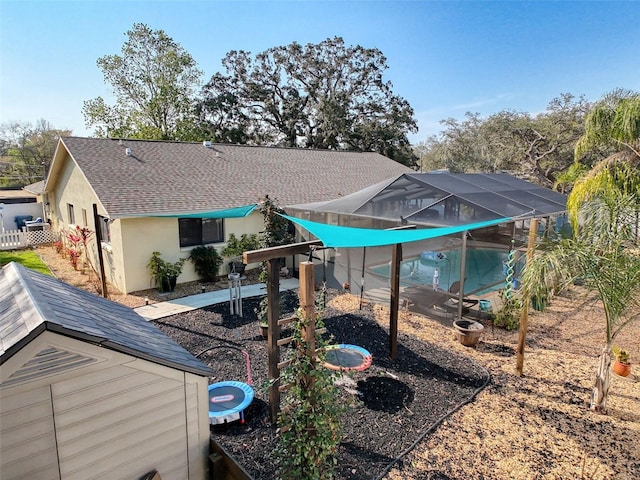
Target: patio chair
{"x":454,"y":289}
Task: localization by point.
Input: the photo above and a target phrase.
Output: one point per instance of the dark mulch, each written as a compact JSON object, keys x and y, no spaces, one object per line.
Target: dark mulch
{"x":399,"y":400}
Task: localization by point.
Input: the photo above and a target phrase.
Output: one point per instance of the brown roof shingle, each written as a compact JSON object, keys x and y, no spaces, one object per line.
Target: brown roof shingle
{"x":177,"y":177}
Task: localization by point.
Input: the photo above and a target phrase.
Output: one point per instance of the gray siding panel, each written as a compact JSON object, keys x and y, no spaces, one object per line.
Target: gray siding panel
{"x":28,"y":446}
{"x":120,"y":424}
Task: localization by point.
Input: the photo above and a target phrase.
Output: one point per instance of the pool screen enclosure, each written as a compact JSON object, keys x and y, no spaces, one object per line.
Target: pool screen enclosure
{"x":437,"y":200}
{"x":412,"y":208}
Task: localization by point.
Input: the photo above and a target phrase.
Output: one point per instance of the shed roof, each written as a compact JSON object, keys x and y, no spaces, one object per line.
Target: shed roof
{"x":31,"y":303}
{"x":446,"y":199}
{"x":170,"y":177}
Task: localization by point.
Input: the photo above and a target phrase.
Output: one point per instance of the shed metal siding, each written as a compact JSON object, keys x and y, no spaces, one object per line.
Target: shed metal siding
{"x":120,"y":424}
{"x":28,"y":446}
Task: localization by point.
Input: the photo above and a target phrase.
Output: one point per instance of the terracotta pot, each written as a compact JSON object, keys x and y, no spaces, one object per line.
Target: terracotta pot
{"x":468,"y":332}
{"x":622,"y":369}
{"x":264,"y":331}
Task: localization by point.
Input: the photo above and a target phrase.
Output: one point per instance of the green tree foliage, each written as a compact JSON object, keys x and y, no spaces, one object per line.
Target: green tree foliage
{"x":538,"y":147}
{"x":27,"y":152}
{"x":154,"y":81}
{"x":603,"y":206}
{"x":614,"y":122}
{"x":612,"y":128}
{"x":604,"y":255}
{"x":324,"y":95}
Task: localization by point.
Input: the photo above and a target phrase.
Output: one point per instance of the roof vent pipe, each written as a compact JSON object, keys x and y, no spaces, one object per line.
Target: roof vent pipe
{"x":128,"y":152}
{"x":207,"y":143}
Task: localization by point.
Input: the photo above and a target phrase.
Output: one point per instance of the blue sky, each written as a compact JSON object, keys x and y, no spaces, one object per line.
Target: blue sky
{"x":445,"y":58}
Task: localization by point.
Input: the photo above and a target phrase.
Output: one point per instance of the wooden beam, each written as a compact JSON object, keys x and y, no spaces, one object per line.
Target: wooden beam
{"x":396,"y":258}
{"x":256,"y":256}
{"x":307,"y":304}
{"x":273,"y":335}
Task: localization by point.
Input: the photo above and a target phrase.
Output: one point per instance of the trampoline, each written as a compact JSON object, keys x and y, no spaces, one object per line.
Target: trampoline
{"x":346,"y":357}
{"x":227,"y":401}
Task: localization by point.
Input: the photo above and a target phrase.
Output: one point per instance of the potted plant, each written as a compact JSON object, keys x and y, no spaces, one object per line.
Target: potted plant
{"x":621,"y":365}
{"x":164,"y":273}
{"x":468,"y":332}
{"x":206,"y":262}
{"x":236,"y":246}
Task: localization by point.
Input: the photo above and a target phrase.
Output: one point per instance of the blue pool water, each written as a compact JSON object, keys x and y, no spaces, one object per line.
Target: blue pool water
{"x":485,"y":269}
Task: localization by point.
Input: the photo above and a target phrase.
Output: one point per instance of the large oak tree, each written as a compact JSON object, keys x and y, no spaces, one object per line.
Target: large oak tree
{"x":324,"y":95}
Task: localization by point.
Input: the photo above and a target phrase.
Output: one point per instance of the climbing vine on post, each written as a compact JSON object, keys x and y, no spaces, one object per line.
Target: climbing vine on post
{"x":276,"y":232}
{"x":309,"y":423}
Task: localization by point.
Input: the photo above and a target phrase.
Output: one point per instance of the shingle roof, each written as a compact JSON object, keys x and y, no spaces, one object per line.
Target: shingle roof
{"x":168,"y":177}
{"x":31,"y":303}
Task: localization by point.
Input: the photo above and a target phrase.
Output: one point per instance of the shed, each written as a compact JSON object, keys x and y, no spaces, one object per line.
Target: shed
{"x":89,"y":389}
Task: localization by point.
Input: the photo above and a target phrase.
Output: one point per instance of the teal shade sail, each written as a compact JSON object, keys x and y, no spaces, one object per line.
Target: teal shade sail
{"x":236,"y":212}
{"x":337,"y":236}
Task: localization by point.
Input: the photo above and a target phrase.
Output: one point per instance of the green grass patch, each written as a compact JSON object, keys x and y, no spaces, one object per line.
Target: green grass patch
{"x":28,"y":258}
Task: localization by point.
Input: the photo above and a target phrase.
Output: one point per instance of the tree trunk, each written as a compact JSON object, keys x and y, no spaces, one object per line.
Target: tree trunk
{"x":600,"y":392}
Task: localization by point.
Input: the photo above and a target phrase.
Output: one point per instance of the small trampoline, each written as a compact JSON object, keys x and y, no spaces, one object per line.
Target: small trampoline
{"x":227,"y":401}
{"x":345,"y":357}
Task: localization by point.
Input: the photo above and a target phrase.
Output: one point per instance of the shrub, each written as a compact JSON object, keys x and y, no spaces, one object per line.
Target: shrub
{"x":236,"y":246}
{"x":206,"y":262}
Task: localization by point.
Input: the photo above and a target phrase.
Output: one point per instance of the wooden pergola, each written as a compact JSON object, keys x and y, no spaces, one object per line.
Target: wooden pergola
{"x":271,"y":256}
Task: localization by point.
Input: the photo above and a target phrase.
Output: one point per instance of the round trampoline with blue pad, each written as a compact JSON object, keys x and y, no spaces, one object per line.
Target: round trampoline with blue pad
{"x":347,"y":357}
{"x":227,"y":401}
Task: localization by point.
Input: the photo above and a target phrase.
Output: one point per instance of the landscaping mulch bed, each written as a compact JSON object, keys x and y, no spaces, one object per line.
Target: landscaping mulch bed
{"x":392,"y":402}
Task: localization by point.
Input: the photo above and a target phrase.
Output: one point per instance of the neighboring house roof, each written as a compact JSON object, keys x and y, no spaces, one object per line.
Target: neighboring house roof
{"x":31,"y":303}
{"x":35,"y":188}
{"x":176,"y":177}
{"x":10,"y":194}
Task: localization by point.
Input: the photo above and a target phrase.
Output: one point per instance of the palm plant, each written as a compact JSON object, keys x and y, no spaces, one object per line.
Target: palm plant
{"x":605,"y":255}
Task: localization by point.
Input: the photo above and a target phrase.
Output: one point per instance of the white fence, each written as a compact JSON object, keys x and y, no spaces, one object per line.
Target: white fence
{"x":16,"y":239}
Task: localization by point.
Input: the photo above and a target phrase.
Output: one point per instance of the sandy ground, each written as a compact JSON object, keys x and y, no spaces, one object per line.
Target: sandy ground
{"x":537,"y":426}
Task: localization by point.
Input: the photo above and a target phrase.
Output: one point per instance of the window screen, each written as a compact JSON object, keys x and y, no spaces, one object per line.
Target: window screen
{"x":200,"y":231}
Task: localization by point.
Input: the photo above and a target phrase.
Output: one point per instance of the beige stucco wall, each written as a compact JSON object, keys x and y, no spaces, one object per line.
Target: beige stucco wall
{"x":118,"y":417}
{"x":140,"y":237}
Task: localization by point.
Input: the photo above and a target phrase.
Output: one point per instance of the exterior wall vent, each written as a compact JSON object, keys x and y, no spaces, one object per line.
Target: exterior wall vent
{"x":128,"y":152}
{"x":207,"y":143}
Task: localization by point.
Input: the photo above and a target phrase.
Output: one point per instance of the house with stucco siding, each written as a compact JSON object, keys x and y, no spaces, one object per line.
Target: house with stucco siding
{"x":172,"y":196}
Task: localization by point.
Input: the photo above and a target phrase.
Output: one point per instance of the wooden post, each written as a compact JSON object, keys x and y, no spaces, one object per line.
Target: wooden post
{"x":273,"y":351}
{"x":98,"y":227}
{"x":524,"y":315}
{"x":307,"y":304}
{"x":396,"y":258}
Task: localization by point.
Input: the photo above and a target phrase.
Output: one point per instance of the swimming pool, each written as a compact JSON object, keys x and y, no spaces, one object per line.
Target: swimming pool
{"x":485,"y":269}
